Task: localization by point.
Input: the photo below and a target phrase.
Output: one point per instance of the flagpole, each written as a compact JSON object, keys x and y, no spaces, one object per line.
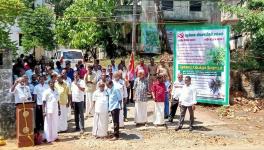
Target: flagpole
{"x":134,"y":26}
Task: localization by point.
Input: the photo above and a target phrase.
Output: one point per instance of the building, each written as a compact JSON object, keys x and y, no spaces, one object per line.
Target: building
{"x":180,"y":12}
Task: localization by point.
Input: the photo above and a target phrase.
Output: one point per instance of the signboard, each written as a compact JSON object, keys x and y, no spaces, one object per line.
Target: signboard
{"x":150,"y":38}
{"x":202,"y":52}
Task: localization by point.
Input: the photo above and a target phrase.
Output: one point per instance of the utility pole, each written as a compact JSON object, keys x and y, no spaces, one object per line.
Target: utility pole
{"x":134,"y":25}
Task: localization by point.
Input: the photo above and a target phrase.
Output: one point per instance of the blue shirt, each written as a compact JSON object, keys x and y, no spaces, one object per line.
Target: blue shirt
{"x":70,"y":74}
{"x":114,"y":98}
{"x":167,"y":85}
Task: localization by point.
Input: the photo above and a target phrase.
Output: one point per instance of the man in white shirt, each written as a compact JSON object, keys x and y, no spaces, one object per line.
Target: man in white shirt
{"x":38,"y":92}
{"x":66,"y":79}
{"x":175,"y":94}
{"x":100,"y":120}
{"x":77,"y":89}
{"x":120,"y":85}
{"x":187,"y":100}
{"x":51,"y":111}
{"x":21,"y":91}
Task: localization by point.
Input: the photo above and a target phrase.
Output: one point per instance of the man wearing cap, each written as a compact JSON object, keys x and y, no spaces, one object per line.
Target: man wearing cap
{"x":100,"y":120}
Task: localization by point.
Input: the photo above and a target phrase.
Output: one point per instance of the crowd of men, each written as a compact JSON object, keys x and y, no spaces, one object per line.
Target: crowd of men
{"x":94,"y":90}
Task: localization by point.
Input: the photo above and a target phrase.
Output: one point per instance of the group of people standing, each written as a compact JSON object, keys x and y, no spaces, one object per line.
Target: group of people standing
{"x":97,"y":91}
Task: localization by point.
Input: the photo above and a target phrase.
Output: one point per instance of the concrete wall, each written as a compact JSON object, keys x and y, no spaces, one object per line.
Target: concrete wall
{"x":181,"y":11}
{"x":7,"y":104}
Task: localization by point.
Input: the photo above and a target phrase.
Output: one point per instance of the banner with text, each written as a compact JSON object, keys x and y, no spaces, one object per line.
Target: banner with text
{"x":202,"y":52}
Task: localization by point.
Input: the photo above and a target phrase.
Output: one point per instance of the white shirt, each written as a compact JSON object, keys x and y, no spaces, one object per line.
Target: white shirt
{"x":120,"y":84}
{"x":114,"y":68}
{"x":101,"y":101}
{"x":69,"y":82}
{"x":52,"y":98}
{"x":177,"y":89}
{"x":77,"y":94}
{"x":39,"y":90}
{"x":98,"y":74}
{"x":22,"y":94}
{"x":188,"y":96}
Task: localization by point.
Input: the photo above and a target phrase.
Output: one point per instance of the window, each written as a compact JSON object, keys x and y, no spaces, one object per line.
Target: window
{"x":72,"y":55}
{"x":195,"y":5}
{"x":167,"y":5}
{"x":20,"y":39}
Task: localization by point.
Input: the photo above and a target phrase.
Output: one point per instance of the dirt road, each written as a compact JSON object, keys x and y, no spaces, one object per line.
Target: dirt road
{"x":243,"y":132}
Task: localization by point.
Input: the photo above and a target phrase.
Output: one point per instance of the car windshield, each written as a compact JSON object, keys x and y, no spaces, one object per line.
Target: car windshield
{"x":72,"y":55}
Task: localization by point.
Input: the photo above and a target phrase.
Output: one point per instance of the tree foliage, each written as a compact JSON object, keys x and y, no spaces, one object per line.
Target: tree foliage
{"x":9,"y":10}
{"x":251,"y":20}
{"x":87,"y":24}
{"x":60,"y":6}
{"x":37,"y":28}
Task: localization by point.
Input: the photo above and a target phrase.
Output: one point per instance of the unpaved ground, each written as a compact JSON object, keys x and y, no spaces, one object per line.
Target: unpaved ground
{"x":244,"y":131}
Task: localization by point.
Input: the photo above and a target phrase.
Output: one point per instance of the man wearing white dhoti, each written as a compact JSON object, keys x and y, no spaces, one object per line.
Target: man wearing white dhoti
{"x":100,"y":120}
{"x":64,"y":100}
{"x":120,"y":85}
{"x":51,"y":109}
{"x":90,"y":87}
{"x":141,"y":90}
{"x":158,"y":94}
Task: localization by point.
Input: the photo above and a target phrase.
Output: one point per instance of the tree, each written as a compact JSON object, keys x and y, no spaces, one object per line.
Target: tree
{"x":37,"y":28}
{"x":251,"y":21}
{"x":9,"y":10}
{"x":88,"y":24}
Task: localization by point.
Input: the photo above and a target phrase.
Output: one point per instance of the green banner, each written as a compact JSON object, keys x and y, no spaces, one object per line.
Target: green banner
{"x":150,"y":38}
{"x":202,"y":52}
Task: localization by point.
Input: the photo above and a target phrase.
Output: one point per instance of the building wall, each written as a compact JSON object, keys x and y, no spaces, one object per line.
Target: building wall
{"x":181,"y":11}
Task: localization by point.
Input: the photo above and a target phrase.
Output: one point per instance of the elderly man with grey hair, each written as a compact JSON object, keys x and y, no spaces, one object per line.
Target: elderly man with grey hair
{"x":175,"y":94}
{"x":100,"y":120}
{"x":120,"y":85}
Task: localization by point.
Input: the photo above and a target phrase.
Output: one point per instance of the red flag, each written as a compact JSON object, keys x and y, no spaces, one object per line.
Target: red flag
{"x":131,"y":67}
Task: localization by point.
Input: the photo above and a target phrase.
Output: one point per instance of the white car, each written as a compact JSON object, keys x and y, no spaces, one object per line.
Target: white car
{"x":72,"y":55}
